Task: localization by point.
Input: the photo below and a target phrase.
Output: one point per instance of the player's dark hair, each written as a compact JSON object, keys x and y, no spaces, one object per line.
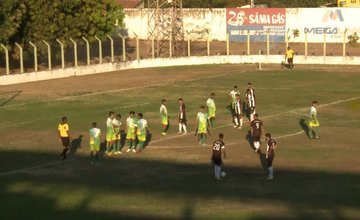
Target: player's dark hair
{"x":213,"y":93}
{"x":118,"y":115}
{"x":237,"y":94}
{"x":221,"y":135}
{"x":94,"y":125}
{"x":141,"y":115}
{"x":235,"y":87}
{"x":63,"y":119}
{"x":180,"y":99}
{"x":249,"y":84}
{"x":111,"y":113}
{"x":256,"y":115}
{"x":132,"y":113}
{"x":268,"y":135}
{"x":162,"y":101}
{"x":315,"y":102}
{"x":202,"y":107}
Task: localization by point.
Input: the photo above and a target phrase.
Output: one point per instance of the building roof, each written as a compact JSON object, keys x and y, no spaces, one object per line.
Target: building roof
{"x":129,"y":3}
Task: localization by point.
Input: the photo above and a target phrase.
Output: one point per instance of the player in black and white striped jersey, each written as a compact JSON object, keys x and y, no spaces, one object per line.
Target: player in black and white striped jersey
{"x":238,"y":113}
{"x":250,"y":101}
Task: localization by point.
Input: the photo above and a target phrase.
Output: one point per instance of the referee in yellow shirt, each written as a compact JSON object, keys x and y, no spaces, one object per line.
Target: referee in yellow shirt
{"x":64,"y":136}
{"x":289,"y":55}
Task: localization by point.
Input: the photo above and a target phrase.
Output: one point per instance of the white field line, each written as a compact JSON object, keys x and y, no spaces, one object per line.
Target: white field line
{"x":80,"y":114}
{"x":294,"y":111}
{"x":74,"y":97}
{"x":172,"y":137}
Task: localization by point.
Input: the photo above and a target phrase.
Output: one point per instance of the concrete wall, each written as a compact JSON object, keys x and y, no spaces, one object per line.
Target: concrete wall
{"x":162,"y":62}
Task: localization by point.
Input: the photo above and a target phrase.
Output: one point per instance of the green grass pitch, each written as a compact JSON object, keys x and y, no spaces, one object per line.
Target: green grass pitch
{"x":173,"y":177}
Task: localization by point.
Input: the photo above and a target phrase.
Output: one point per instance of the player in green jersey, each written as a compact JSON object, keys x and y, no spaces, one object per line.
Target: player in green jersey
{"x":109,"y":133}
{"x":130,"y":132}
{"x":164,"y":117}
{"x":211,"y":109}
{"x":141,"y":131}
{"x":202,"y":125}
{"x":94,"y":134}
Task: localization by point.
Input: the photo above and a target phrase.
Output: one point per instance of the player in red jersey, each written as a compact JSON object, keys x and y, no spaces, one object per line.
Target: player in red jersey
{"x":257,"y":130}
{"x":270,"y":154}
{"x":218,"y":155}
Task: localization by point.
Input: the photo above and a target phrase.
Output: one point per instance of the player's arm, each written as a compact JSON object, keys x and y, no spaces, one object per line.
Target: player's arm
{"x":223,"y":152}
{"x":68,"y":132}
{"x":252,"y":131}
{"x":263,"y":131}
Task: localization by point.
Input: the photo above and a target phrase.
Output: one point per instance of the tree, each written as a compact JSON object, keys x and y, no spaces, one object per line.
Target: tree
{"x":11,"y":18}
{"x":52,"y":19}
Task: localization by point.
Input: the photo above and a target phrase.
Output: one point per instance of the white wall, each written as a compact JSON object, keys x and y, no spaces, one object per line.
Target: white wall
{"x":163,"y":62}
{"x":199,"y":22}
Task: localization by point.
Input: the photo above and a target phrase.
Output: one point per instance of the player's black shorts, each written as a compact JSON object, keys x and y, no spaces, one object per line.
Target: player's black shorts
{"x":269,"y":161}
{"x":290,"y":60}
{"x":182,"y":120}
{"x":65,"y":141}
{"x":217,"y":161}
{"x":256,"y":138}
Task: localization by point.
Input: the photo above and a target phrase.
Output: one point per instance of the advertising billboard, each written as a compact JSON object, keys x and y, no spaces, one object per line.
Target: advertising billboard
{"x":258,"y":21}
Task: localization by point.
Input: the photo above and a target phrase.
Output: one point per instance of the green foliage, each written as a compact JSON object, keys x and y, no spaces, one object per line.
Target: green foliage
{"x":353,"y":39}
{"x":11,"y":17}
{"x":37,"y":20}
{"x":237,"y":3}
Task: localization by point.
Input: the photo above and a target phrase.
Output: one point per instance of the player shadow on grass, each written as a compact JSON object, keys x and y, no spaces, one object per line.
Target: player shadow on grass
{"x":262,"y":156}
{"x":304,"y":126}
{"x":75,"y":145}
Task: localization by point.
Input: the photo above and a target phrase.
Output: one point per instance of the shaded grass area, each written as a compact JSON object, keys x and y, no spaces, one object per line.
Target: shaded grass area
{"x":313,"y":179}
{"x":161,"y":189}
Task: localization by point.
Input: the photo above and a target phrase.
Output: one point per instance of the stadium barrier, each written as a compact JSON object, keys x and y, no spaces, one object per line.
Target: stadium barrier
{"x":229,"y":56}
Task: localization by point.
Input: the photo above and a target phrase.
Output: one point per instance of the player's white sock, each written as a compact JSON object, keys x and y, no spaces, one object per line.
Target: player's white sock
{"x":184,"y":128}
{"x":236,"y":121}
{"x":217,"y":171}
{"x":241,"y":122}
{"x":180,"y":126}
{"x":271,"y":172}
{"x":257,"y":145}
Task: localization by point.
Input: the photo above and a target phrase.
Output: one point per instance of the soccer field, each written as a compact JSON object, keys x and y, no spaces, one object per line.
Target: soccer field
{"x":173,"y":177}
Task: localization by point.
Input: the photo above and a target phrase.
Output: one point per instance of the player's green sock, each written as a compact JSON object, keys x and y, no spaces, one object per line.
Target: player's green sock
{"x":141,"y":145}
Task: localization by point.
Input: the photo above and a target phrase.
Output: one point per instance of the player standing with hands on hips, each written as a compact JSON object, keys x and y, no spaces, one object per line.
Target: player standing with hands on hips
{"x":64,"y":136}
{"x":217,"y":157}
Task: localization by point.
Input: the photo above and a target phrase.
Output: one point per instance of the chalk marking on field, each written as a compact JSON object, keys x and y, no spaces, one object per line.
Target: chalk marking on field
{"x":86,"y":113}
{"x":294,"y":111}
{"x":73,"y":97}
{"x":33,"y":167}
{"x":172,"y":137}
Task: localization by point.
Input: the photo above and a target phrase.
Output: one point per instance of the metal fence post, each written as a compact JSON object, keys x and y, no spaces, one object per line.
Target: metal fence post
{"x":49,"y":54}
{"x":227,"y":44}
{"x":344,"y":43}
{"x":287,"y":38}
{"x":137,"y":47}
{"x":268,"y":42}
{"x":75,"y":52}
{"x":248,"y":42}
{"x":153,"y":47}
{"x":306,"y":44}
{"x":324,"y":45}
{"x":189,"y":46}
{"x":100,"y":49}
{"x":87,"y":50}
{"x":170,"y":48}
{"x":35,"y":55}
{"x":21,"y":58}
{"x":62,"y":54}
{"x":112,"y":48}
{"x":123,"y":47}
{"x":208,"y":45}
{"x":6,"y":59}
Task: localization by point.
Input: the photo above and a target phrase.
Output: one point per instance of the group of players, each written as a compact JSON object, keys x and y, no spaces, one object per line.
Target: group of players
{"x":136,"y":129}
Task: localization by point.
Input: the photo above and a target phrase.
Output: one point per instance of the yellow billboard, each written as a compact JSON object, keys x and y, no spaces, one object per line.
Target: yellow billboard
{"x":349,"y":3}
